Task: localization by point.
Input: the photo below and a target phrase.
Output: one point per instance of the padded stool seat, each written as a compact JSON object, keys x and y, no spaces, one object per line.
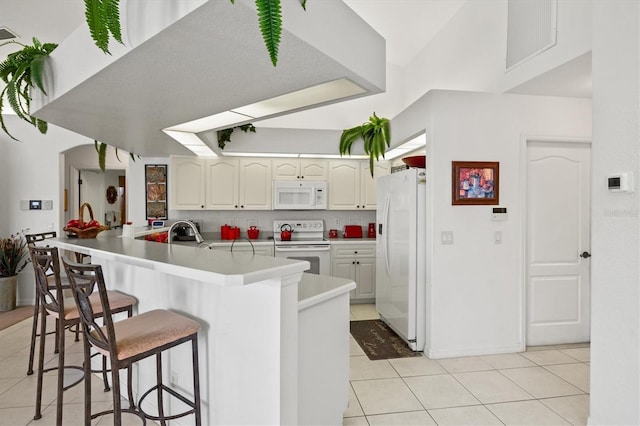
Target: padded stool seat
{"x":148,"y":331}
{"x":117,"y":301}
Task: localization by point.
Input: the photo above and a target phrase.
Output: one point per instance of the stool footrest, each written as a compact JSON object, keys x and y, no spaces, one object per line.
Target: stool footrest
{"x":175,"y":394}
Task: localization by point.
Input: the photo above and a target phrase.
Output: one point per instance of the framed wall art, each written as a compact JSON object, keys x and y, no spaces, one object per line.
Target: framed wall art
{"x":475,"y":183}
{"x":155,"y":176}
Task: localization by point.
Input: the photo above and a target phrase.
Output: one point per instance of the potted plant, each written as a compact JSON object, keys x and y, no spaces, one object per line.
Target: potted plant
{"x":13,"y":259}
{"x":376,"y":134}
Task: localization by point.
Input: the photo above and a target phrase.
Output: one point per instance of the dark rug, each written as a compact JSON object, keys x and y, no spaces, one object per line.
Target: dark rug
{"x":378,"y":341}
{"x":20,"y":313}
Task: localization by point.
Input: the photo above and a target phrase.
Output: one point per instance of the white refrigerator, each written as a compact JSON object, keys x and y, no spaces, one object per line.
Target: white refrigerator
{"x":401,"y":254}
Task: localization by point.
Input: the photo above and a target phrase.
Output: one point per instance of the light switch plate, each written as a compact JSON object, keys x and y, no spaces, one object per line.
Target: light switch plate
{"x":446,"y":237}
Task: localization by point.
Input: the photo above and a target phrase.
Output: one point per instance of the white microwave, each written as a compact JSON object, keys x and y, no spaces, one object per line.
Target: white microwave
{"x":299,"y":195}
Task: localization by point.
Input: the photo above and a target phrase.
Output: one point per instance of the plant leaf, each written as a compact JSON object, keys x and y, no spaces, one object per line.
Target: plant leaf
{"x":102,"y":156}
{"x":111,"y":10}
{"x":270,"y":22}
{"x":97,"y":25}
{"x":4,"y":128}
{"x":303,"y":3}
{"x":37,"y":66}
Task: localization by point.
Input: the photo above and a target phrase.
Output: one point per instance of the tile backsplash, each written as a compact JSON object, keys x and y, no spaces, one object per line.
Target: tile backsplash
{"x":211,"y":221}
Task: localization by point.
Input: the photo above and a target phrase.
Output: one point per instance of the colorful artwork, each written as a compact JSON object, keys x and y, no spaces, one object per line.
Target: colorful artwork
{"x":156,"y":190}
{"x":474,"y":182}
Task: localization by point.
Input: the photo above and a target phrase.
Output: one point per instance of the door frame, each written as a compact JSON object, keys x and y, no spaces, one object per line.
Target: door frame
{"x":525,"y":139}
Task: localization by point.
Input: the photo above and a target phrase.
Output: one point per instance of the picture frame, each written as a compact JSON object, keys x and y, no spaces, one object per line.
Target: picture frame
{"x":475,"y":183}
{"x":155,"y":176}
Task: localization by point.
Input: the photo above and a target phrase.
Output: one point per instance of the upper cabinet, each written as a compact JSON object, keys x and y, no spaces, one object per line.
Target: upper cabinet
{"x":299,"y":168}
{"x":186,"y":183}
{"x":220,"y":184}
{"x":246,"y":184}
{"x":238,"y":184}
{"x":351,"y":186}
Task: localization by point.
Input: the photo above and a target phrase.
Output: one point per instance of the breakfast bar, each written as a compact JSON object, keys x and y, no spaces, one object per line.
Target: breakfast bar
{"x":274,"y":341}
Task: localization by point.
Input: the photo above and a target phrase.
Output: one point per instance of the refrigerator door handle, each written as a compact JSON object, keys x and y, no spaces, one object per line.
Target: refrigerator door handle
{"x":387,"y":203}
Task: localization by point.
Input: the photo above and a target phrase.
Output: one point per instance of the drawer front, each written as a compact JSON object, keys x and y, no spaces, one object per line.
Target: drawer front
{"x":353,"y":251}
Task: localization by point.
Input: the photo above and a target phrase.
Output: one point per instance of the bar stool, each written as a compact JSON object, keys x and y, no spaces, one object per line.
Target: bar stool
{"x":46,"y":261}
{"x":130,"y":340}
{"x":32,"y":239}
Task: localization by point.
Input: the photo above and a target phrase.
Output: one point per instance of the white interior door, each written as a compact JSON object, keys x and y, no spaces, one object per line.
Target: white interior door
{"x":92,"y":191}
{"x":558,"y":233}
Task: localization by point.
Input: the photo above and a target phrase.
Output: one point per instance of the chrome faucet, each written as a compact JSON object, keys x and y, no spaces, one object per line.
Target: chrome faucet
{"x":199,"y":238}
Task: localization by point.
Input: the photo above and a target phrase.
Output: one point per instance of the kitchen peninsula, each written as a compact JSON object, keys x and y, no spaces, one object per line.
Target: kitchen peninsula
{"x":260,"y":361}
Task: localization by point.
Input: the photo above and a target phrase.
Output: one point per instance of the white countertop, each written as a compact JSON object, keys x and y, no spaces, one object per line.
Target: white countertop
{"x":184,"y":260}
{"x":314,"y":289}
{"x":338,"y":241}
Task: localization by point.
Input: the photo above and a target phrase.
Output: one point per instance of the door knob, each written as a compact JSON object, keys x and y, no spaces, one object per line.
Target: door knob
{"x":585,"y":255}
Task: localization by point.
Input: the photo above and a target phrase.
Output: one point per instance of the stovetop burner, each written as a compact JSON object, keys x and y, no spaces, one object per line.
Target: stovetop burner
{"x":305,"y":232}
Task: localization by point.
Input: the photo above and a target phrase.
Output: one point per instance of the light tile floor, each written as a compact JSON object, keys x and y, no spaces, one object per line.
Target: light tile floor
{"x":17,"y":390}
{"x":542,"y":386}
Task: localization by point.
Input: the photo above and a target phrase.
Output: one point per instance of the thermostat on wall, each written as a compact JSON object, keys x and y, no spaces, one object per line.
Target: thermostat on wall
{"x":620,"y":182}
{"x":499,"y":213}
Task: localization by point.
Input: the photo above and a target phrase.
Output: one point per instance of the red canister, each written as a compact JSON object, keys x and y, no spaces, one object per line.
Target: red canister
{"x":253,"y":232}
{"x":225,"y":230}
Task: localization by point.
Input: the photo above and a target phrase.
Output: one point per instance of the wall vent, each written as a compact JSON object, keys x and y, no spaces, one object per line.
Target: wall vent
{"x":6,"y":34}
{"x":531,"y":29}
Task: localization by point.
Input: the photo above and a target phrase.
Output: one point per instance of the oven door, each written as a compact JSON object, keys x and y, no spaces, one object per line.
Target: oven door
{"x":317,"y":256}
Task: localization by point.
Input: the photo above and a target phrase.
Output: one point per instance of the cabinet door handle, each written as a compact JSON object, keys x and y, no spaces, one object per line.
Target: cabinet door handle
{"x":242,"y":207}
{"x":353,"y":263}
{"x":355,"y":252}
{"x":236,"y":206}
{"x":357,"y":263}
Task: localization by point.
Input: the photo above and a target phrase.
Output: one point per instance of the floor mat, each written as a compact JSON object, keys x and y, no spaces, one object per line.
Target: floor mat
{"x":378,"y":341}
{"x":20,"y":313}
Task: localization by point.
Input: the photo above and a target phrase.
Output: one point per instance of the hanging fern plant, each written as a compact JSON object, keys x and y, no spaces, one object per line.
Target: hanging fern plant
{"x":21,"y":71}
{"x":101,"y":149}
{"x":103,"y":19}
{"x":376,"y":134}
{"x":224,"y":135}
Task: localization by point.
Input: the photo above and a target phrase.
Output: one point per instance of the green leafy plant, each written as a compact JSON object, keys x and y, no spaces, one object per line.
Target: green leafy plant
{"x":21,"y":71}
{"x":224,"y":135}
{"x":13,"y":254}
{"x":101,"y":149}
{"x":103,"y":19}
{"x":376,"y":134}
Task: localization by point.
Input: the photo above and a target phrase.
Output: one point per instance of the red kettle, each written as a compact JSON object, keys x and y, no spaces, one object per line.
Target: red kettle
{"x":253,"y":232}
{"x":285,"y":232}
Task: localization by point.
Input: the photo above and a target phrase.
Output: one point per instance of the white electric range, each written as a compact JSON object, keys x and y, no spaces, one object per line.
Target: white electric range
{"x":307,"y":243}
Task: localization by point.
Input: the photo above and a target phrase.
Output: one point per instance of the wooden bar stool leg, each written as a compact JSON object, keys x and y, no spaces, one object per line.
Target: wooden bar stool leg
{"x":43,"y":320}
{"x":34,"y":333}
{"x":196,"y":379}
{"x":60,"y":388}
{"x":159,"y":385}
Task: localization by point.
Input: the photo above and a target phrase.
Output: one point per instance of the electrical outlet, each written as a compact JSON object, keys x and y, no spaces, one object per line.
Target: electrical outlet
{"x":252,"y":222}
{"x":50,"y":226}
{"x":336,"y":222}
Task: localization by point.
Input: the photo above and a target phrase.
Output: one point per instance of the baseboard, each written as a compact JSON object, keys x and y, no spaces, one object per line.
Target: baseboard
{"x":456,"y":353}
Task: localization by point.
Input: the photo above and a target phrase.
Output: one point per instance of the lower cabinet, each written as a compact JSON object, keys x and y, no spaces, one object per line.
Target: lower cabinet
{"x":356,"y":262}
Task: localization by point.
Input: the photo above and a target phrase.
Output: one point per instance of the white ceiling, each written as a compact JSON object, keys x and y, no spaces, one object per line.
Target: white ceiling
{"x":54,"y":20}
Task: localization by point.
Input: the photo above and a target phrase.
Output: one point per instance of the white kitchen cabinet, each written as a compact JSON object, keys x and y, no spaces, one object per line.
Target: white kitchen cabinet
{"x":299,"y":168}
{"x":356,"y":262}
{"x":220,"y":184}
{"x":186,"y":183}
{"x":238,"y":184}
{"x":351,"y":186}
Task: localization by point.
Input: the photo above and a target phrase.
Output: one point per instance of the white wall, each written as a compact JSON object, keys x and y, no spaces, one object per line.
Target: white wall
{"x":615,"y":348}
{"x":31,"y":169}
{"x":475,"y":286}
